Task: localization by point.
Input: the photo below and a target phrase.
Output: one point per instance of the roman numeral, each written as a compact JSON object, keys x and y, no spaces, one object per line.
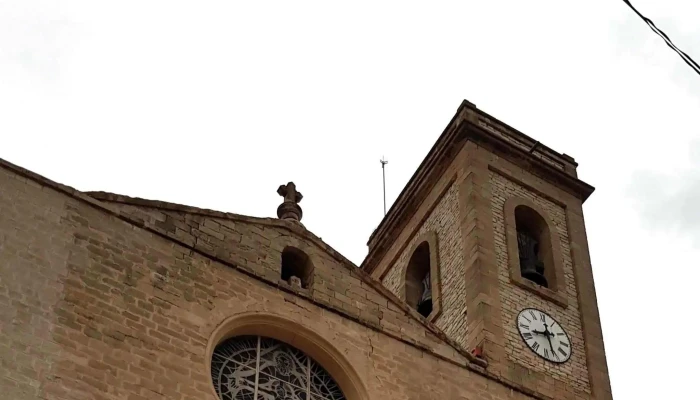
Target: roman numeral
{"x":564,"y":344}
{"x":563,"y":353}
{"x":535,"y":346}
{"x":527,"y":335}
{"x":542,"y":317}
{"x":561,"y":334}
{"x":555,"y":355}
{"x":522,"y":325}
{"x":546,"y":353}
{"x":533,"y":314}
{"x":526,"y":318}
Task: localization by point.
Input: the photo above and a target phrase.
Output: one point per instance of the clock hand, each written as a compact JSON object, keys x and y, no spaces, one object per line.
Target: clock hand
{"x":550,"y":343}
{"x":548,"y":333}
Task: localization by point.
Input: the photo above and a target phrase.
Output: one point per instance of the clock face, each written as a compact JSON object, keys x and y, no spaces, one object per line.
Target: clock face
{"x":543,"y":335}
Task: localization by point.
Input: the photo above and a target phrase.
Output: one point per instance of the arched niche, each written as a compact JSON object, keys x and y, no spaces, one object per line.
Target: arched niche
{"x":527,"y":216}
{"x":423,"y":260}
{"x":296,"y":263}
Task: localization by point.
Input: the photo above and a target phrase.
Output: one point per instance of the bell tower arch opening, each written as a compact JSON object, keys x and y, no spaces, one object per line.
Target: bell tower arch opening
{"x":534,"y":247}
{"x":419,"y":294}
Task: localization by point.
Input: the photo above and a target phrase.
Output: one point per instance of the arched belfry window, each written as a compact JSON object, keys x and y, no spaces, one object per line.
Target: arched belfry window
{"x":534,"y":250}
{"x":260,"y":368}
{"x":419,"y":291}
{"x":534,"y":246}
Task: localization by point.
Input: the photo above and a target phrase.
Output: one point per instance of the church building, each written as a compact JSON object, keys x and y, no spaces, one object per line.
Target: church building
{"x":477,"y":285}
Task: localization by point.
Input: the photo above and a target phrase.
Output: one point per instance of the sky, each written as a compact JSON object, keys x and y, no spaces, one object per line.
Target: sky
{"x":215,"y":104}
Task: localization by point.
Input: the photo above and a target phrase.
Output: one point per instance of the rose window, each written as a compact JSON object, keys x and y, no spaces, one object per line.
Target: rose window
{"x":259,"y":368}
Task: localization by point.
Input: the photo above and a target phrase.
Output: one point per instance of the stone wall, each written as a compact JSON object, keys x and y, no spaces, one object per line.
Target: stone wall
{"x":444,"y":221}
{"x":97,"y":303}
{"x":471,"y":149}
{"x":438,"y":212}
{"x":513,"y":298}
{"x":35,"y":252}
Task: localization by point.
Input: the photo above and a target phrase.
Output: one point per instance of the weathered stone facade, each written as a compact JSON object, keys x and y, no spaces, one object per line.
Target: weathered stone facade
{"x":105,"y":296}
{"x":494,"y":167}
{"x":109,"y":300}
{"x":514,"y":298}
{"x":444,"y":221}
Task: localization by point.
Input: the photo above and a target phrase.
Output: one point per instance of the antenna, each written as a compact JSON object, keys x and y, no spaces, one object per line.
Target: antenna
{"x":384,"y":162}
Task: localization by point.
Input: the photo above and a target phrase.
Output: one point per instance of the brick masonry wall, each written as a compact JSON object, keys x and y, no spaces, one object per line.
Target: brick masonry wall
{"x":513,"y":299}
{"x":95,"y":306}
{"x":444,"y":221}
{"x":34,"y":253}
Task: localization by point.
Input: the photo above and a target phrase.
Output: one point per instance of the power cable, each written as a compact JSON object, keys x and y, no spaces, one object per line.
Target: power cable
{"x":688,"y":60}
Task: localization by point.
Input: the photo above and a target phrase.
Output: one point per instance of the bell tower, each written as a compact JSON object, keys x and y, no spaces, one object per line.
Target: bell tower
{"x":490,"y":229}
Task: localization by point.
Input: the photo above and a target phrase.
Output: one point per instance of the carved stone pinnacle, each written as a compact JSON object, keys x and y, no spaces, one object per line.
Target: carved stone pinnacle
{"x":289,"y":209}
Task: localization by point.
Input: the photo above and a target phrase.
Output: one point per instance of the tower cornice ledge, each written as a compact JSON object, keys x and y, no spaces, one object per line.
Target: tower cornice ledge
{"x":471,"y":124}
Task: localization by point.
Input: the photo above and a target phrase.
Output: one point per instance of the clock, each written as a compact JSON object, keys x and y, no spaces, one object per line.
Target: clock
{"x":543,"y":335}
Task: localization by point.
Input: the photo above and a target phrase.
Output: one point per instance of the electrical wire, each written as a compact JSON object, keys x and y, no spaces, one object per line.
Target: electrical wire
{"x":688,"y":60}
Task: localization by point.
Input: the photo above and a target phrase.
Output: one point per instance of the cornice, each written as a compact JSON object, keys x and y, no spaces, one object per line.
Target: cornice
{"x":471,"y":124}
{"x":527,"y":160}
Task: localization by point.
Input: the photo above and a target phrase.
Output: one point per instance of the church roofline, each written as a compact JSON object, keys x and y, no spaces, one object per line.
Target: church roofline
{"x":471,"y":124}
{"x":168,"y":206}
{"x":474,"y":363}
{"x":101,"y":200}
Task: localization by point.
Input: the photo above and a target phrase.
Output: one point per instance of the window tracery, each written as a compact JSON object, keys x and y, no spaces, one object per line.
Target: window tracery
{"x":260,"y":368}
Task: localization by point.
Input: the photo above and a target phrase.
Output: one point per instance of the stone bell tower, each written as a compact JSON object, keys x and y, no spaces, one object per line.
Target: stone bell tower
{"x":492,"y":221}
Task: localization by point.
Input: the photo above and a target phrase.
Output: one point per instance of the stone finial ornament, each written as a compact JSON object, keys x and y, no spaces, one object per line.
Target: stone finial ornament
{"x":289,"y":209}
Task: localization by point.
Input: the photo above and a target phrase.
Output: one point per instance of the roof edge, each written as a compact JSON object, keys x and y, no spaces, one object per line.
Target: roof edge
{"x":100,"y":201}
{"x":474,"y":364}
{"x":302,"y":231}
{"x":109,"y":197}
{"x":470,"y":123}
{"x":422,"y":169}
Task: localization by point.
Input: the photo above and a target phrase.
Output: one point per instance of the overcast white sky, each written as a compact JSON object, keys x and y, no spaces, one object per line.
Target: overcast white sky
{"x":216,"y":103}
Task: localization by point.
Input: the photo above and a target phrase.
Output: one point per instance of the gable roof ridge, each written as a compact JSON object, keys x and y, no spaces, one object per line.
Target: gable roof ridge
{"x":303,"y":231}
{"x":110,"y":197}
{"x":101,"y":200}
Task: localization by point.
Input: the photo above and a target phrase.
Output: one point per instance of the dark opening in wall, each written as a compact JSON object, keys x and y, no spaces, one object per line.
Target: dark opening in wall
{"x":296,"y":264}
{"x":418,"y":283}
{"x":534,"y":247}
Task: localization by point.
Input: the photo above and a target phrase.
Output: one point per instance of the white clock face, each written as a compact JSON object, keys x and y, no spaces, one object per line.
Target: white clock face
{"x":544,"y":335}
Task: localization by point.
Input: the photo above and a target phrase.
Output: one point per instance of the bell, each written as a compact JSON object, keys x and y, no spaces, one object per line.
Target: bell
{"x":427,"y":293}
{"x":531,"y":267}
{"x":425,"y":305}
{"x":534,"y":272}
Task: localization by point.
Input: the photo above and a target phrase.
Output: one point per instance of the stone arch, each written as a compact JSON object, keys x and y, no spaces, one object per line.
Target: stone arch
{"x":423,"y":258}
{"x":294,"y":334}
{"x":527,"y":215}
